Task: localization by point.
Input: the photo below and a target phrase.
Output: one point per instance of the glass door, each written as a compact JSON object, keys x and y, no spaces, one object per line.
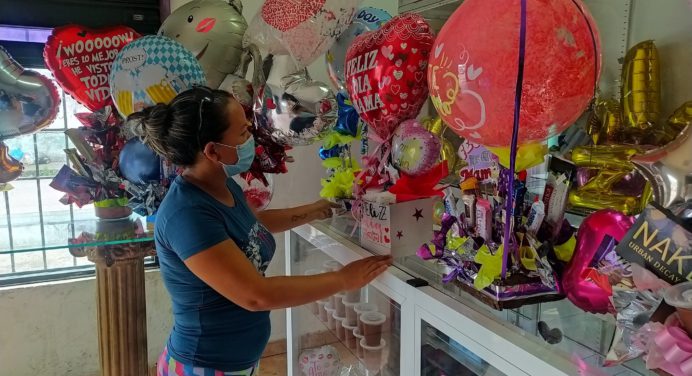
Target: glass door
{"x":350,"y":333}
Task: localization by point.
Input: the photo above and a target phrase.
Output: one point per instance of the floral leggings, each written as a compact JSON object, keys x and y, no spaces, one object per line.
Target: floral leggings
{"x":168,"y":366}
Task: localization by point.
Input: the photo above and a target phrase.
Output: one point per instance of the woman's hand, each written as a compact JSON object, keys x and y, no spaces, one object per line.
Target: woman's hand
{"x":359,"y":273}
{"x":322,"y":209}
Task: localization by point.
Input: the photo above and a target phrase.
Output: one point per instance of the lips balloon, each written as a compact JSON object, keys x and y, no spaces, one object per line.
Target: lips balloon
{"x":596,"y":228}
{"x":385,"y":72}
{"x":29,"y":101}
{"x":80,"y":59}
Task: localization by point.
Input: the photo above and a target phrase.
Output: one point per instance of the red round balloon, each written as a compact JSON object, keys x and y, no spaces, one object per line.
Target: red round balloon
{"x":385,"y":72}
{"x":473,"y":69}
{"x":80,"y":59}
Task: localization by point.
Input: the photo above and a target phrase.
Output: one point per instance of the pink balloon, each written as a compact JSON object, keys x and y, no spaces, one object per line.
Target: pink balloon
{"x":472,"y":73}
{"x":415,"y":150}
{"x":595,"y":228}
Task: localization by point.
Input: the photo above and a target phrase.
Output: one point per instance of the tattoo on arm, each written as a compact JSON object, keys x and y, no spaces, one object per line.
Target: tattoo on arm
{"x":298,"y":217}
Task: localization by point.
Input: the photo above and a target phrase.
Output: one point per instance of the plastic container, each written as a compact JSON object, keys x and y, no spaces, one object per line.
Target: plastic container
{"x":331,"y":266}
{"x":352,"y":296}
{"x":372,"y":355}
{"x":339,"y":304}
{"x":351,"y":314}
{"x":361,"y":308}
{"x":350,"y":337}
{"x":680,"y":297}
{"x":339,"y":327}
{"x":359,"y":348}
{"x":331,"y":323}
{"x":372,"y":323}
{"x":322,"y":313}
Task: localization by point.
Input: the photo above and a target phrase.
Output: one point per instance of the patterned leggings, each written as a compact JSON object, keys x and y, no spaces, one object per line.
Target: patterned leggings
{"x":168,"y":366}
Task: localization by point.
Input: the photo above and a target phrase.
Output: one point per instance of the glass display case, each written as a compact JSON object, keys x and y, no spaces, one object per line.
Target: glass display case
{"x":351,"y":333}
{"x":447,"y":329}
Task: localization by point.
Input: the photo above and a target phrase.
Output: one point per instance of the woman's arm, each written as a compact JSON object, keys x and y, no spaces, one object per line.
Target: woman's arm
{"x":227,"y":270}
{"x":279,"y":220}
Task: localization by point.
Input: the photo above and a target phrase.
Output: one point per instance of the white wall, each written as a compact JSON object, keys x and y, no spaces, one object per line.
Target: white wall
{"x":50,"y":329}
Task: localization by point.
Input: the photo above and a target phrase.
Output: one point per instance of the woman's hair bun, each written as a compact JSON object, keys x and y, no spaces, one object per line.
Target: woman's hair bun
{"x":152,"y":125}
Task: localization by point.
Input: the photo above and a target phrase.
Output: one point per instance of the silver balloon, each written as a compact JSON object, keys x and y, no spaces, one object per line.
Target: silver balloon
{"x":668,"y":184}
{"x":301,"y":110}
{"x":213,"y":30}
{"x":29,"y":101}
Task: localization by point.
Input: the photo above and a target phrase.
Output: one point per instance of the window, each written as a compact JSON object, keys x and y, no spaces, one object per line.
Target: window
{"x":34,"y":225}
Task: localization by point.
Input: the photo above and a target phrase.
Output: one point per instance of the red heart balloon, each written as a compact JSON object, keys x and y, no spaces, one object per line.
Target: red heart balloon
{"x":385,"y":72}
{"x":596,"y":228}
{"x":81,"y":58}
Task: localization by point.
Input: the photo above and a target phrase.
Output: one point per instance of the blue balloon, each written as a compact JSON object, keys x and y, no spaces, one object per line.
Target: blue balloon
{"x":366,"y":19}
{"x":347,"y":122}
{"x":138,"y":163}
{"x":330,"y":153}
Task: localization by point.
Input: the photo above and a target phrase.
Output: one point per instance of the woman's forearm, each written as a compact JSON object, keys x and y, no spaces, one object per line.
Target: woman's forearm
{"x":279,"y":220}
{"x":283,"y":292}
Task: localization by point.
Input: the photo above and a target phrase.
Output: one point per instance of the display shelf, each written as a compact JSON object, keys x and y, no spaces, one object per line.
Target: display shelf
{"x":559,"y":325}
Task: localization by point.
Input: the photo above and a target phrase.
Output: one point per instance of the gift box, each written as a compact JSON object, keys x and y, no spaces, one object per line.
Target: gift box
{"x":397,"y":229}
{"x":660,"y":243}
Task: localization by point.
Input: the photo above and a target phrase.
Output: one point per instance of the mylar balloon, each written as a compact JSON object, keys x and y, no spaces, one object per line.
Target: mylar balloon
{"x":80,"y":59}
{"x":414,"y":149}
{"x":302,"y":110}
{"x":303,"y":29}
{"x":213,"y":30}
{"x":472,"y":73}
{"x":10,"y":168}
{"x":366,"y":19}
{"x":138,"y":163}
{"x":29,"y":101}
{"x":603,"y":225}
{"x":385,"y":72}
{"x":152,"y":69}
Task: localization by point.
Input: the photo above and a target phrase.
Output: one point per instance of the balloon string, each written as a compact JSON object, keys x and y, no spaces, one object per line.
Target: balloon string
{"x":508,"y":243}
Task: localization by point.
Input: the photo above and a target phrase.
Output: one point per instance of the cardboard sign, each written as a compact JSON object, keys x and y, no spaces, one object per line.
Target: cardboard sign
{"x":397,"y":229}
{"x":658,"y":242}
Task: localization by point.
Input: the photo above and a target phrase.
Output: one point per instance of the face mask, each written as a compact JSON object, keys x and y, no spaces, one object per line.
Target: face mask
{"x":246,"y":154}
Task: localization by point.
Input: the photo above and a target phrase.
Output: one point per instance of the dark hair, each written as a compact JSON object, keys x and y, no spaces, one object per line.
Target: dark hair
{"x":178,"y":131}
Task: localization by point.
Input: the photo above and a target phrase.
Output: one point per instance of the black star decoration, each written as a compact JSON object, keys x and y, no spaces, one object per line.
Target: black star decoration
{"x":400,"y":234}
{"x":418,"y":214}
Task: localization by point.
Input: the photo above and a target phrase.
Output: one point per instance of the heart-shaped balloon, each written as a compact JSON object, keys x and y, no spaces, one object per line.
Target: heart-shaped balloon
{"x":385,"y":72}
{"x":323,"y":361}
{"x":81,"y":59}
{"x":594,"y":233}
{"x":415,"y":150}
{"x":29,"y":101}
{"x":303,"y":29}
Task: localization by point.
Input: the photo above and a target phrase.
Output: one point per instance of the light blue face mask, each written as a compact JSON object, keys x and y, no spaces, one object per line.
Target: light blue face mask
{"x":246,"y":154}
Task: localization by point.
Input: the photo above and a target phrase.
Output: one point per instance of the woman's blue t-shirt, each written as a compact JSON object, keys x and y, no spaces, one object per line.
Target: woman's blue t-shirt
{"x":210,"y":330}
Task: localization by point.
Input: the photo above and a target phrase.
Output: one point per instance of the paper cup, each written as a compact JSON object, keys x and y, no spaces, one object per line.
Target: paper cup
{"x":372,"y":355}
{"x":351,"y":314}
{"x":339,"y":304}
{"x":322,"y":313}
{"x":680,"y":297}
{"x":340,"y":331}
{"x":352,"y":296}
{"x":331,"y":266}
{"x":350,"y":336}
{"x":361,"y":308}
{"x":359,"y":348}
{"x":331,"y":323}
{"x":372,"y":323}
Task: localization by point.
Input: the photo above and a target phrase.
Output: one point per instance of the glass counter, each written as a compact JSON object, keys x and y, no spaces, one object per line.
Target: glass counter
{"x":558,"y":325}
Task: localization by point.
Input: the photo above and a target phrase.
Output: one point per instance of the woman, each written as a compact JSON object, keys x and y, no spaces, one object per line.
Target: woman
{"x":214,"y":250}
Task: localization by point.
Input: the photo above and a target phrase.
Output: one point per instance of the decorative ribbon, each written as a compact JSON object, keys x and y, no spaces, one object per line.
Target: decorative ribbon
{"x":409,"y":188}
{"x":492,"y":266}
{"x":670,"y":350}
{"x":508,"y":241}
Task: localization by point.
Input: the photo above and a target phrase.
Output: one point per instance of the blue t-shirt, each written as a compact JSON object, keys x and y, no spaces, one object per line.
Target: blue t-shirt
{"x":210,"y":330}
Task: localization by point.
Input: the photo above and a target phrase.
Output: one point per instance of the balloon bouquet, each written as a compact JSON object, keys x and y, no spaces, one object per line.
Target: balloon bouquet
{"x":505,"y":88}
{"x":111,"y":70}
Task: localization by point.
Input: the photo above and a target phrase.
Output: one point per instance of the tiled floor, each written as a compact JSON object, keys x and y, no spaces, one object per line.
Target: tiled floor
{"x":274,"y":365}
